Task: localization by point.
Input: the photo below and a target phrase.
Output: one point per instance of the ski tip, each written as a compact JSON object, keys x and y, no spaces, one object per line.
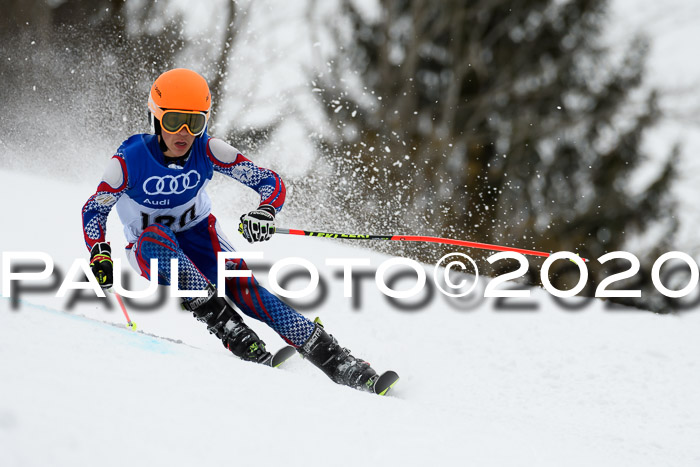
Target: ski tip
{"x":385,"y":382}
{"x":282,"y":355}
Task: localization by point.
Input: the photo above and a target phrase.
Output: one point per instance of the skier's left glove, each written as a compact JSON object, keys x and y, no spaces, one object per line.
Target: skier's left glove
{"x":258,"y":225}
{"x":101,"y":264}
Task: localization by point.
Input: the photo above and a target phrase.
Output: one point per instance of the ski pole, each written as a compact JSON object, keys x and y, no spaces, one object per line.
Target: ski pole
{"x":129,"y":324}
{"x":412,"y":238}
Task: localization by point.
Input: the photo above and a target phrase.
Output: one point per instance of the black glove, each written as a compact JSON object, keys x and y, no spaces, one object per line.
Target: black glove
{"x":258,"y":225}
{"x":101,"y":264}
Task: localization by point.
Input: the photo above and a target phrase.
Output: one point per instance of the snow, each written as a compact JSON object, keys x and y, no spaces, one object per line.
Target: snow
{"x":483,"y":385}
{"x":480,"y":384}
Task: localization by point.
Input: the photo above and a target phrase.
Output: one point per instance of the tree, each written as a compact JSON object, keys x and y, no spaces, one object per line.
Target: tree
{"x":501,"y":122}
{"x":95,"y":61}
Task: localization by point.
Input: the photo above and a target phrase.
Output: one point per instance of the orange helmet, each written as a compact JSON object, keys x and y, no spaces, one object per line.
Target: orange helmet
{"x":180,"y":98}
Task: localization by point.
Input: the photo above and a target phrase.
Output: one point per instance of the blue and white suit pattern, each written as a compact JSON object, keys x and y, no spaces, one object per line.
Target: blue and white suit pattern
{"x":166,"y":214}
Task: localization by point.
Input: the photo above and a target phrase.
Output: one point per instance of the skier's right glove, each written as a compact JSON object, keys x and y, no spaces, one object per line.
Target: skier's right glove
{"x":101,"y":264}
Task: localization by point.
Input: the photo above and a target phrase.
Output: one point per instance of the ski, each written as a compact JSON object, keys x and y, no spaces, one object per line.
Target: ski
{"x":281,"y":356}
{"x":385,"y":382}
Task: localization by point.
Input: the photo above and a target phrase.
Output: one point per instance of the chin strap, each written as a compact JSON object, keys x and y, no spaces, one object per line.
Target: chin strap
{"x":155,"y":128}
{"x":161,"y":144}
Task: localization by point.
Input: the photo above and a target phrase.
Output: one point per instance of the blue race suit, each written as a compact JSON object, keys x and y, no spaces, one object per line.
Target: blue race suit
{"x":166,"y":214}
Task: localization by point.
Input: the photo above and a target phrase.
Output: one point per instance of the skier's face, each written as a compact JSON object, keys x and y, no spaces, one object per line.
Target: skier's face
{"x":179,"y":143}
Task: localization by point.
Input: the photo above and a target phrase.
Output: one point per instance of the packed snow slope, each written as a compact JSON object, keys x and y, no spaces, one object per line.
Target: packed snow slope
{"x":479,"y":386}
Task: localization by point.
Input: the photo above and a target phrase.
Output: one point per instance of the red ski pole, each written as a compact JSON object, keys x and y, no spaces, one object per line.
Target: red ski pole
{"x":413,"y":238}
{"x":130,"y":324}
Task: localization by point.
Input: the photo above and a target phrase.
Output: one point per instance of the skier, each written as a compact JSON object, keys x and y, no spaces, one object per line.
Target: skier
{"x":157,"y":182}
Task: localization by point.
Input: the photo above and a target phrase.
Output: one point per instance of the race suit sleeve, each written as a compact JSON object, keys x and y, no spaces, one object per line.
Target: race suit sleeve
{"x":228,"y":161}
{"x":98,"y":206}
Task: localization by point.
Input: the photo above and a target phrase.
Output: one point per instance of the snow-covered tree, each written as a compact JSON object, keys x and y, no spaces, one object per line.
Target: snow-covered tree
{"x":500,"y":122}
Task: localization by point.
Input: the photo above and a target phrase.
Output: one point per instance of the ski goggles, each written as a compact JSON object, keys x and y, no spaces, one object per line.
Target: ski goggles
{"x":172,"y":121}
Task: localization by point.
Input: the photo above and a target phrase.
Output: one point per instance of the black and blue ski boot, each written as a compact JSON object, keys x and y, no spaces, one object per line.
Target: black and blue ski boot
{"x":223,"y":321}
{"x":323,"y":350}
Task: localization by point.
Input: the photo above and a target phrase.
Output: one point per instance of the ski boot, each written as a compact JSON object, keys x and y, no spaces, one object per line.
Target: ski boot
{"x":323,"y":351}
{"x":223,"y":321}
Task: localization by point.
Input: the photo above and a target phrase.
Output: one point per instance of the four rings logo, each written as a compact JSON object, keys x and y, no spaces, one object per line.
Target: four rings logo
{"x":171,"y":184}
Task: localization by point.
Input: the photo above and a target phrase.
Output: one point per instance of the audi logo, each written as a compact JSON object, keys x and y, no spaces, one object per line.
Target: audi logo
{"x":171,"y":184}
